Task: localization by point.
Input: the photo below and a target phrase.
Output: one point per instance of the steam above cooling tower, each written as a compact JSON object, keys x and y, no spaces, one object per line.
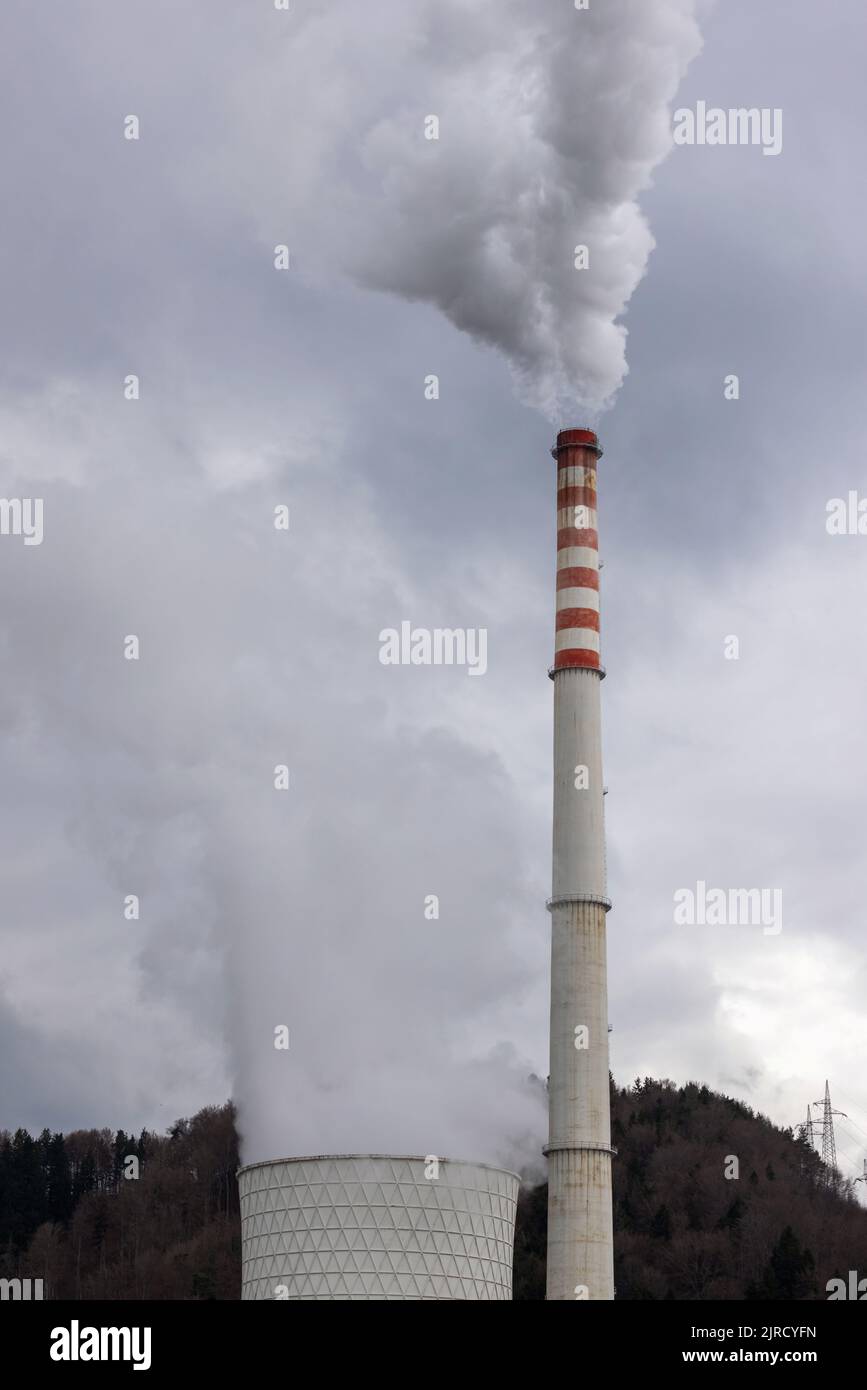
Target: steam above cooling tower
{"x":580,"y":1238}
{"x":384,"y":1227}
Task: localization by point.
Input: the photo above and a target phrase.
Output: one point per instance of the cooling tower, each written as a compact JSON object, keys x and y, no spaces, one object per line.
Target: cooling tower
{"x":580,"y":1238}
{"x":375,"y":1227}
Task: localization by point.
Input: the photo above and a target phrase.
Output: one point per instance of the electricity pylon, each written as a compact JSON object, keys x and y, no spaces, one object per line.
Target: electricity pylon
{"x":808,"y":1129}
{"x":829,"y":1143}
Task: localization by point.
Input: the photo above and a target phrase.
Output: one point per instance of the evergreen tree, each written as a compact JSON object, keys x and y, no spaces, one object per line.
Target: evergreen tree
{"x":58,"y":1181}
{"x":790,"y":1270}
{"x":85,"y":1178}
{"x":122,"y":1146}
{"x":661,"y":1226}
{"x":25,"y":1194}
{"x":732,"y":1218}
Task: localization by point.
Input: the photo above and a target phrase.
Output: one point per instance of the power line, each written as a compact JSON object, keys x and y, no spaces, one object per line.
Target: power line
{"x":849,"y":1159}
{"x":854,"y":1107}
{"x":853,"y":1137}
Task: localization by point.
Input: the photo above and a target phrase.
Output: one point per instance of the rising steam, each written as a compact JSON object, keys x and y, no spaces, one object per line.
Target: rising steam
{"x":551,"y":122}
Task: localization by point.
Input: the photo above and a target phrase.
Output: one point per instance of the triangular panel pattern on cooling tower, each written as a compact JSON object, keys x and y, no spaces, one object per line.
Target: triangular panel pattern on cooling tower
{"x":373,"y":1227}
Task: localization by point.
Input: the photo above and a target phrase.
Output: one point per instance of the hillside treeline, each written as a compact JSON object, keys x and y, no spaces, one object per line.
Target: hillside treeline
{"x":683,"y":1230}
{"x":70,"y":1216}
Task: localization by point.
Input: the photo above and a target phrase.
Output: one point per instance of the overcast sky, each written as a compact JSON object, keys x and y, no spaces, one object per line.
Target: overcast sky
{"x":258,"y":647}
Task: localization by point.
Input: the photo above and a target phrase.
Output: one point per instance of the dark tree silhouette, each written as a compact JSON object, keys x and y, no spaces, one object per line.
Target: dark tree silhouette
{"x":790,"y":1273}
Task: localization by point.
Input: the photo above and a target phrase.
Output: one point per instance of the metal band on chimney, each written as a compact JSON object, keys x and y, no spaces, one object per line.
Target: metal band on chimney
{"x":567,"y":899}
{"x":579,"y":1149}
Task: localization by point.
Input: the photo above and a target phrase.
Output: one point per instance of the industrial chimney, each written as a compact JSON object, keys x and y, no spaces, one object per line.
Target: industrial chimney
{"x":580,"y":1241}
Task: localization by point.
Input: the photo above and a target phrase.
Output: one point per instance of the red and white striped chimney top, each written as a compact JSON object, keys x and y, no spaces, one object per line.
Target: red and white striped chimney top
{"x":576,"y":640}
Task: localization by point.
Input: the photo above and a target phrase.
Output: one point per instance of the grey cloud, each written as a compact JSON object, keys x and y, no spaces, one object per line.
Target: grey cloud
{"x":259,"y":648}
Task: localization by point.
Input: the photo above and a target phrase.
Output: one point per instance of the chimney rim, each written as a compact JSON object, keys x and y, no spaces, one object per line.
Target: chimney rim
{"x":577,"y":438}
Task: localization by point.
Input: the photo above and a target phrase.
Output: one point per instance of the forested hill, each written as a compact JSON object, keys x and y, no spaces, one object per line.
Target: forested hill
{"x":69,"y":1215}
{"x":683,"y":1230}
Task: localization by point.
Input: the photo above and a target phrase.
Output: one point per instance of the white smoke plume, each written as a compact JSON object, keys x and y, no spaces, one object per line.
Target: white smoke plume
{"x":551,"y":122}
